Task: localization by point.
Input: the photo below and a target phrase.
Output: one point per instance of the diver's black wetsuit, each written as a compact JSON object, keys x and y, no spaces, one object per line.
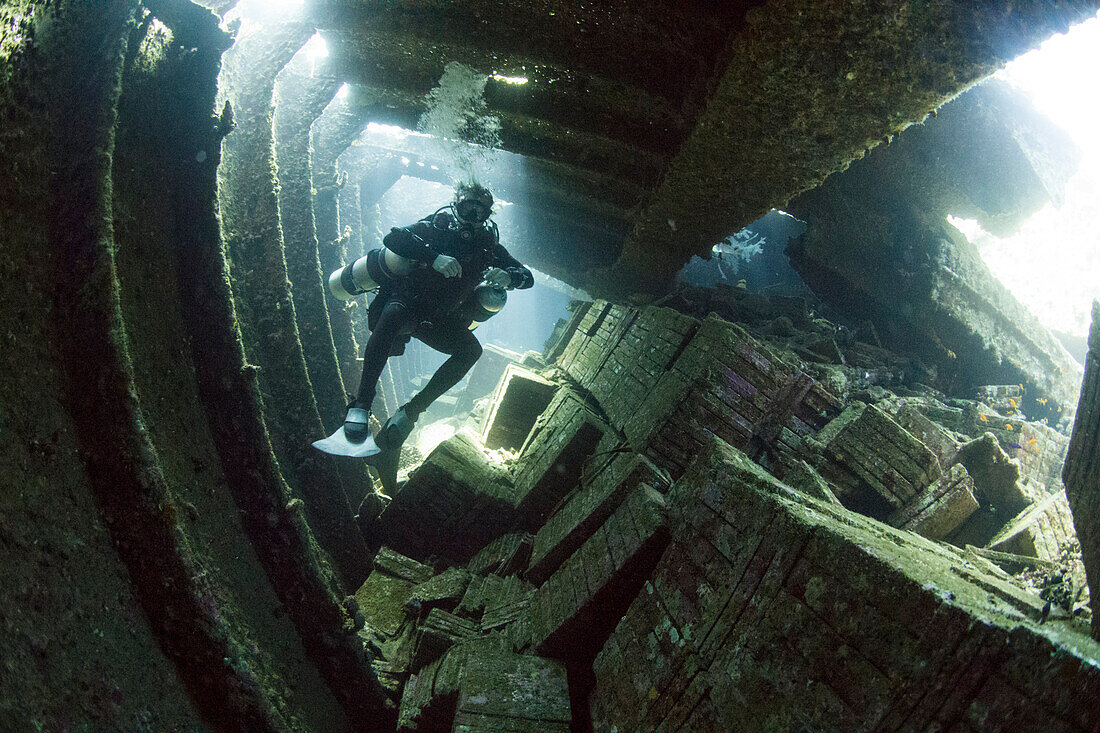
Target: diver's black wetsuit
{"x":431,"y":307}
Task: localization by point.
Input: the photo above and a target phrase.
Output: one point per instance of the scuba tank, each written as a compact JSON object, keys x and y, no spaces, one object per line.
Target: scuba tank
{"x":486,"y":302}
{"x":378,"y":267}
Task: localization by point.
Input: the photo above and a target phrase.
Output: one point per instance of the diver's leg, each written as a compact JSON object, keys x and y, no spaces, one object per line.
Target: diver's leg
{"x":464,"y":350}
{"x":394,"y":319}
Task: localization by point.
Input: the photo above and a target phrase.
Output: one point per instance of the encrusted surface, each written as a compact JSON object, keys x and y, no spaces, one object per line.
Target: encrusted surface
{"x":808,"y":88}
{"x":1082,"y":471}
{"x":157,"y":404}
{"x":301,"y":93}
{"x":249,"y":216}
{"x":453,"y":505}
{"x":878,"y":246}
{"x":67,"y":594}
{"x":750,"y":622}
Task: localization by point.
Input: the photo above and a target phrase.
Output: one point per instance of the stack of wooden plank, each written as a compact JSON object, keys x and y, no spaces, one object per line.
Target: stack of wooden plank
{"x":454,"y":504}
{"x":728,"y":384}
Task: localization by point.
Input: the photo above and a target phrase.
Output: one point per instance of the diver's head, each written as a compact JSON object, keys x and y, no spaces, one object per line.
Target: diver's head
{"x":473,"y":203}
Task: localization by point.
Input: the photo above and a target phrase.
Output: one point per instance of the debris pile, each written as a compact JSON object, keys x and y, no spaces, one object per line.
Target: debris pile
{"x":721,"y":526}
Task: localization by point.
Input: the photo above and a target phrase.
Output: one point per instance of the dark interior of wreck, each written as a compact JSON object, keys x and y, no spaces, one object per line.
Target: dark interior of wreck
{"x":865,"y":495}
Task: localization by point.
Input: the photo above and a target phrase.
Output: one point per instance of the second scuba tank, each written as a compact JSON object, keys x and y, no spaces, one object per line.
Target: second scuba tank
{"x":376,"y":268}
{"x":487,"y":301}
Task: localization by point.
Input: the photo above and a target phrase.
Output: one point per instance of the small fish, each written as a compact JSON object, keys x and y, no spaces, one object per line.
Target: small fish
{"x":1008,"y":426}
{"x":1041,"y":400}
{"x":743,"y":284}
{"x":1033,"y":441}
{"x":1012,"y":402}
{"x":982,"y":417}
{"x":1059,"y":409}
{"x":1017,"y":446}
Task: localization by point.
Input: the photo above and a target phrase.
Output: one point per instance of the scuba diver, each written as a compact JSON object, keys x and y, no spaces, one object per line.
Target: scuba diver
{"x":437,"y":279}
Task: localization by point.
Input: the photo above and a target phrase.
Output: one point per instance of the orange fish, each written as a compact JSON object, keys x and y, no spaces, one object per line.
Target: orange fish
{"x":1008,"y":426}
{"x":1041,"y":400}
{"x":1012,"y":402}
{"x":1033,"y":441}
{"x":982,"y":417}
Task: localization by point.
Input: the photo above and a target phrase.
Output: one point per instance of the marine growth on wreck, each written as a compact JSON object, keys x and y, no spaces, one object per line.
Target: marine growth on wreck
{"x":546,"y":366}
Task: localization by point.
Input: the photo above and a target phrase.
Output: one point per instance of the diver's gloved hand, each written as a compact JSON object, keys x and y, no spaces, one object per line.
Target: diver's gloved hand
{"x":447,"y":266}
{"x":498,"y":277}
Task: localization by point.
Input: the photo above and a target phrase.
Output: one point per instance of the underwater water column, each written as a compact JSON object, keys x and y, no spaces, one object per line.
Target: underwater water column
{"x":265,"y":307}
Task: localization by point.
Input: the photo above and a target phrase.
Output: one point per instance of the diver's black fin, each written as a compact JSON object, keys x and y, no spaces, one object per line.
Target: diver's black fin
{"x":396,"y":431}
{"x":386,"y":464}
{"x":390,"y":439}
